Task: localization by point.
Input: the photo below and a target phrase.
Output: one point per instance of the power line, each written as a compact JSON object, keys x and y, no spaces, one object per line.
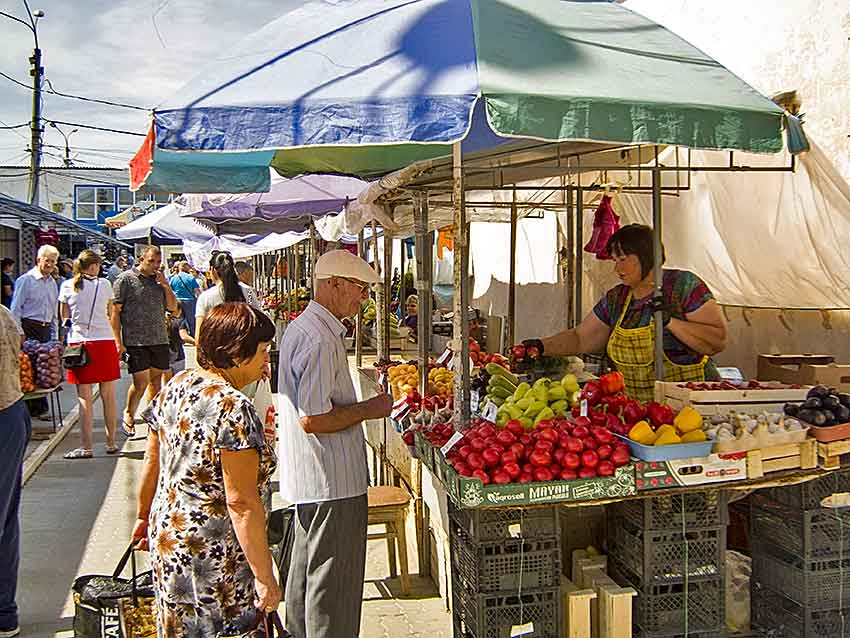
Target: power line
{"x":18,"y":82}
{"x":97,"y":128}
{"x":91,"y":99}
{"x":13,"y":129}
{"x":22,"y":125}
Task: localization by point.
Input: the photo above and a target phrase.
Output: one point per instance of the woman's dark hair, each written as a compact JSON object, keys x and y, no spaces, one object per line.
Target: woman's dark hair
{"x":636,"y":239}
{"x":224,"y":267}
{"x":230,"y":335}
{"x":6,"y":263}
{"x":84,"y":261}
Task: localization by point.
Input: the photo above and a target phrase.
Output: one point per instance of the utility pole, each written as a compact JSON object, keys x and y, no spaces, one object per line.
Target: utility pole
{"x":36,"y":71}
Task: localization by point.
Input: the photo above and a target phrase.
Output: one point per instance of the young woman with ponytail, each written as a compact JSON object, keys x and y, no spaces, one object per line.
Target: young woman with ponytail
{"x":86,"y":302}
{"x":226,"y":288}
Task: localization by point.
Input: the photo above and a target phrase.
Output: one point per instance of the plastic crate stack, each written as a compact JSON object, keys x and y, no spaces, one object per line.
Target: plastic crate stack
{"x":671,"y":550}
{"x":506,"y":571}
{"x":800,"y":585}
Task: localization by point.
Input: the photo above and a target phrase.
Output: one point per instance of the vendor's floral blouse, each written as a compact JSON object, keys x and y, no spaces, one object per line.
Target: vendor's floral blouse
{"x":683,"y":290}
{"x":203,"y":583}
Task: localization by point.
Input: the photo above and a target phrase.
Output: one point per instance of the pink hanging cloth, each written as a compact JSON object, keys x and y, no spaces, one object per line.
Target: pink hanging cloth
{"x":605,"y":223}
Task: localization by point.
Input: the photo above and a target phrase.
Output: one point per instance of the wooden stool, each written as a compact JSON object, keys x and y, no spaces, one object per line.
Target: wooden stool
{"x":388,"y":507}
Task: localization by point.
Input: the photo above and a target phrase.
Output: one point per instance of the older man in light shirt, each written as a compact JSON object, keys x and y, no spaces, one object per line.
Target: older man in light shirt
{"x":322,"y":454}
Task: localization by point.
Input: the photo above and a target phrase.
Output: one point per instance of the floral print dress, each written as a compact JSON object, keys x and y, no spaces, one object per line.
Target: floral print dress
{"x":204,"y":585}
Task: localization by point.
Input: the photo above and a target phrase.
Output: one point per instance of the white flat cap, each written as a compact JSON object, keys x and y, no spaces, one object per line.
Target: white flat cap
{"x":342,"y":263}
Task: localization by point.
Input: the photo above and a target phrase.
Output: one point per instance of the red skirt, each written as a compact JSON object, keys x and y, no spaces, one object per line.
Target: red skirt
{"x":102,"y":365}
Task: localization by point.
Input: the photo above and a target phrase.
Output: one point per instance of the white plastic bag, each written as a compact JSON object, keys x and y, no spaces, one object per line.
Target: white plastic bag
{"x":738,"y":572}
{"x":266,"y":410}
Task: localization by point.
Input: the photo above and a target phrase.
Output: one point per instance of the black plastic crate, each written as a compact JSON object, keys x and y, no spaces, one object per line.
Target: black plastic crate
{"x":810,"y":534}
{"x":666,"y":556}
{"x":817,"y":584}
{"x":500,"y":524}
{"x":808,"y":495}
{"x":697,"y":509}
{"x":505,"y":565}
{"x":776,"y":616}
{"x":666,"y":610}
{"x":493,"y":615}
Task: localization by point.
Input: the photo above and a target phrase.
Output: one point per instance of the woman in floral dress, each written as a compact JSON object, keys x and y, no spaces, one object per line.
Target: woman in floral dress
{"x":205,"y":486}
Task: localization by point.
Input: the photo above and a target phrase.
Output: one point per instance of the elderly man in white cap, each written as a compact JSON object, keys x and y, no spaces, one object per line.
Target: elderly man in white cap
{"x":322,"y":455}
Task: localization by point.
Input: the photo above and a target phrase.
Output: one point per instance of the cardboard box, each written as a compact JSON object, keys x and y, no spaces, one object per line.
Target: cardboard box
{"x":805,"y":369}
{"x":715,"y":468}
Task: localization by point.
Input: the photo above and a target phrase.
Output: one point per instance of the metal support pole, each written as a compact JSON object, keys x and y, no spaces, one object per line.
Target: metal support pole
{"x":388,"y":275}
{"x":656,"y":247}
{"x":423,"y":286}
{"x":380,"y":300}
{"x":36,"y":71}
{"x":512,"y":279}
{"x":579,"y":247}
{"x":571,"y":267}
{"x":358,"y":329}
{"x":460,"y":345}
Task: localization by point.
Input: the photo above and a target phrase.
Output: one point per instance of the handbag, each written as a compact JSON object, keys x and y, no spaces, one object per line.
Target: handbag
{"x":112,"y":606}
{"x":268,"y":626}
{"x":281,"y":536}
{"x":77,"y":356}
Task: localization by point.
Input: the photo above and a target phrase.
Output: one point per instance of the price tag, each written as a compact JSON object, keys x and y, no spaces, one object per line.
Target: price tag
{"x":447,"y":354}
{"x":584,"y":407}
{"x":382,"y":380}
{"x":490,"y":411}
{"x":522,"y":630}
{"x":474,"y":400}
{"x":457,"y":436}
{"x":515,"y":530}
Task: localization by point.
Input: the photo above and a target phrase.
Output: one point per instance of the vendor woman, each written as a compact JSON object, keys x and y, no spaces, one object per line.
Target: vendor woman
{"x":623,"y":321}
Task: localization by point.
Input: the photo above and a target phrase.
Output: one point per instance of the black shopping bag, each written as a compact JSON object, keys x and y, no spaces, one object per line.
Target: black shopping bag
{"x":115,"y":607}
{"x":281,"y":535}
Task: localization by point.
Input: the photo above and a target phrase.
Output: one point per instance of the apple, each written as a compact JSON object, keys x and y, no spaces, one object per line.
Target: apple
{"x":574,"y":445}
{"x":581,"y":431}
{"x":604,"y":451}
{"x":620,"y":456}
{"x":527,"y":468}
{"x":515,"y":427}
{"x":518,"y":449}
{"x":509,"y":457}
{"x":589,"y":443}
{"x":463,"y":469}
{"x":525,"y":477}
{"x":542,"y":474}
{"x":544,"y":445}
{"x":558,"y":454}
{"x":475,"y":461}
{"x":548,"y":435}
{"x":568,"y":475}
{"x":587,"y":473}
{"x":571,"y":461}
{"x":500,"y":477}
{"x":513,"y":470}
{"x":555,"y":469}
{"x":491,"y":456}
{"x":589,"y":458}
{"x":605,"y":468}
{"x":540,"y":458}
{"x":505,"y":438}
{"x":482,"y":476}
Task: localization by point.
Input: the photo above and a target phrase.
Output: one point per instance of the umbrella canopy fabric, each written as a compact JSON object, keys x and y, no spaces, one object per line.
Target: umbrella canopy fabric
{"x":198,"y":253}
{"x":289,"y":205}
{"x":364,"y":88}
{"x":164,"y":224}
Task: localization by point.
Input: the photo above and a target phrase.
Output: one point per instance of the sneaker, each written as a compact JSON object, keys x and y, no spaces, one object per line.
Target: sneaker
{"x":10,"y":633}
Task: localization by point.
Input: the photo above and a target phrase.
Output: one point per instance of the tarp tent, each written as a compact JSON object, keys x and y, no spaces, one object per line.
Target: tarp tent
{"x":164,"y":224}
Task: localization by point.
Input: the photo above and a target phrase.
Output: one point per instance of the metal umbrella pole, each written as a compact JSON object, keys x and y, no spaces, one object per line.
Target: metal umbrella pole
{"x":358,"y":328}
{"x":659,"y":275}
{"x":460,"y":345}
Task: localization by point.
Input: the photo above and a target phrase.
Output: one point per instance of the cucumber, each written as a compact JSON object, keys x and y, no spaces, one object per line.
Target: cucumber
{"x":494,"y":369}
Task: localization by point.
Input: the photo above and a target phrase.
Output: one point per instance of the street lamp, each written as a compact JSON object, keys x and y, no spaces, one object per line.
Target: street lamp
{"x":36,"y":71}
{"x":67,"y":147}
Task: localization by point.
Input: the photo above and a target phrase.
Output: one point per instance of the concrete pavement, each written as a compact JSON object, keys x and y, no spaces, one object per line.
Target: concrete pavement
{"x":76,"y":517}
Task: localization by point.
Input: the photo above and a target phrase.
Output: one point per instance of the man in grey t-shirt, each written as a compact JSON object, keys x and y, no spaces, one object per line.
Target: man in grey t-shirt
{"x":142,"y":296}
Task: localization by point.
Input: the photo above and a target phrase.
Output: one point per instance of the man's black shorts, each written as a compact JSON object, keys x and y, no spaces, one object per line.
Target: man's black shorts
{"x":147,"y":357}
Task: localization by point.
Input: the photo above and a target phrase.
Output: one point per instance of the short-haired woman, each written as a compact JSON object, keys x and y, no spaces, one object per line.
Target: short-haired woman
{"x":622,"y":322}
{"x":202,"y":512}
{"x":85,"y":303}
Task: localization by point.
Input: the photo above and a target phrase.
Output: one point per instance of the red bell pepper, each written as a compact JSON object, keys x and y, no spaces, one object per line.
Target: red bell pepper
{"x":612,"y":382}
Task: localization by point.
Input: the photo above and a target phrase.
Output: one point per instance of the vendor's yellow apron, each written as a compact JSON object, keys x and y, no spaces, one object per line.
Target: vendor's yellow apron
{"x":632,"y":351}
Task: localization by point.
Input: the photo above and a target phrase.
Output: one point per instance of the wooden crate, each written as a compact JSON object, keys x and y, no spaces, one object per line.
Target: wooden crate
{"x":709,"y":402}
{"x":830,"y":453}
{"x":577,"y":620}
{"x":790,"y":456}
{"x":613,"y":606}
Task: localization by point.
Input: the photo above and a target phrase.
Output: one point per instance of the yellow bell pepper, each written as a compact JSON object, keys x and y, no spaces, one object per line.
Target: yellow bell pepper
{"x":642,"y":433}
{"x":668,"y":437}
{"x":688,"y":420}
{"x":694,"y":436}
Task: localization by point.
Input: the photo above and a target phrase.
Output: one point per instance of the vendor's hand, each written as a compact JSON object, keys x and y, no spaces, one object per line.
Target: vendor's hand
{"x":140,"y":534}
{"x":657,"y":304}
{"x":533,"y":348}
{"x":160,"y":278}
{"x":380,"y":406}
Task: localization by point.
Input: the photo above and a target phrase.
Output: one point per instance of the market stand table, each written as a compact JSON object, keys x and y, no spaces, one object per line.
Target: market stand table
{"x":52,"y":395}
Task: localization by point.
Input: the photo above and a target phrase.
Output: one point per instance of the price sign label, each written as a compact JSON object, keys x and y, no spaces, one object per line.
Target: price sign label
{"x":583,"y":407}
{"x":447,"y":354}
{"x":474,"y":400}
{"x":457,"y":436}
{"x":522,"y":630}
{"x":515,"y":530}
{"x":490,"y":411}
{"x":382,"y":380}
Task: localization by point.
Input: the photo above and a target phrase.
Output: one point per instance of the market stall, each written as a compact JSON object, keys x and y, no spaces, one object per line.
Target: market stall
{"x":493,"y":123}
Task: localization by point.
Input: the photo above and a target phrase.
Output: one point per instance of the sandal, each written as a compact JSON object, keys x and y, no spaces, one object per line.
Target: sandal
{"x":78,"y":453}
{"x":111,"y":448}
{"x":128,"y":427}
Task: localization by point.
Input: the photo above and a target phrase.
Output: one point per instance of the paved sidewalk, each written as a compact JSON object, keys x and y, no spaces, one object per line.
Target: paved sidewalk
{"x":76,"y":518}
